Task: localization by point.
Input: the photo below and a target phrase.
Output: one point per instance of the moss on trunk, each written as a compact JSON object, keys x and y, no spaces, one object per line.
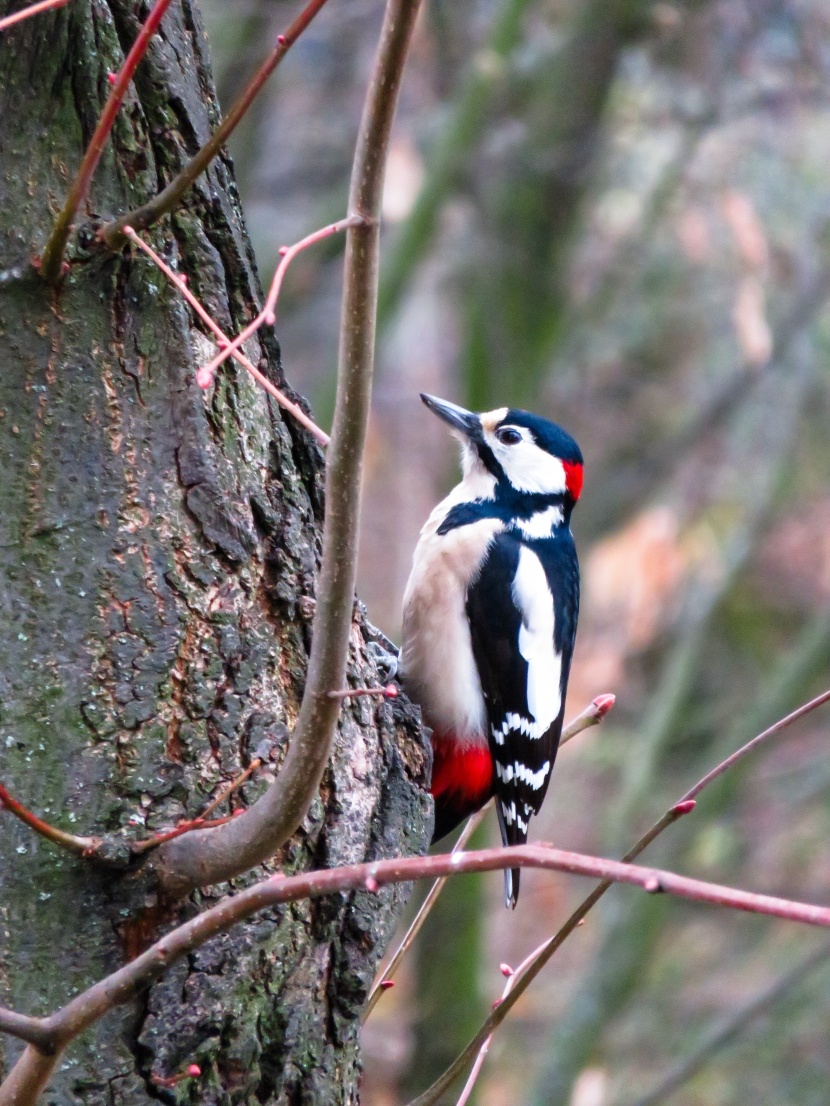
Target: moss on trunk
{"x":158,"y":554}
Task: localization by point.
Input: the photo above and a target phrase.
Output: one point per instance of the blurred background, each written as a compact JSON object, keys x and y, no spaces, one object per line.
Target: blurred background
{"x":615,"y":213}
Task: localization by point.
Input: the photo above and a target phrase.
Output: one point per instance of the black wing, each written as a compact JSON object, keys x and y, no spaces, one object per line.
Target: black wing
{"x":522,"y":611}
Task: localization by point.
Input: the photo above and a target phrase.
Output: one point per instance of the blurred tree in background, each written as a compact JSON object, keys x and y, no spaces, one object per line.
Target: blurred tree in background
{"x":614,"y":212}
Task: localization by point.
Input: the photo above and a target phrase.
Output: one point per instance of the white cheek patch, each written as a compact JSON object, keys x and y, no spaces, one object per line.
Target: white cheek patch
{"x":528,"y":467}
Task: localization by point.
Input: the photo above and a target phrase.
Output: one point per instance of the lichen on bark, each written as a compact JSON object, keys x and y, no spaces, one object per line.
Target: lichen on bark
{"x":158,"y":555}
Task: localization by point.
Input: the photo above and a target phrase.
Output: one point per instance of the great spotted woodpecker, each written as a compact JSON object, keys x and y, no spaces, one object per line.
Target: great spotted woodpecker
{"x":490,"y":616}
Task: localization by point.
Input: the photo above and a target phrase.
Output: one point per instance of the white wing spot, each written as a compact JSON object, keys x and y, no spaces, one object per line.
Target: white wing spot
{"x":504,"y":771}
{"x":532,"y":779}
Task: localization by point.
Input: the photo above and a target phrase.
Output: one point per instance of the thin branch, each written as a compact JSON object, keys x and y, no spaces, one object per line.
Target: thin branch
{"x":31,"y":1030}
{"x":33,"y":9}
{"x":209,"y":856}
{"x":178,"y":280}
{"x":51,"y":265}
{"x":201,"y":821}
{"x":205,"y":375}
{"x":167,"y":200}
{"x":685,"y":805}
{"x":389,"y":691}
{"x":730,"y":1027}
{"x":233,"y":786}
{"x":388,"y":972}
{"x":189,"y":826}
{"x":750,"y":746}
{"x":122,"y":985}
{"x":591,"y":716}
{"x":512,"y":975}
{"x":70,"y":841}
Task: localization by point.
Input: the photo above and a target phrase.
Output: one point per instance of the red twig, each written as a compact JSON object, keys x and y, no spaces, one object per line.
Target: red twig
{"x":192,"y":1071}
{"x":739,"y":754}
{"x":82,"y":845}
{"x":202,"y":821}
{"x":233,"y":786}
{"x":178,"y":280}
{"x":511,"y":977}
{"x":48,"y":1037}
{"x":127,"y":981}
{"x":685,"y":805}
{"x":52,"y":261}
{"x":591,"y":716}
{"x":26,"y":13}
{"x":181,"y":828}
{"x":205,"y":375}
{"x":145,"y":216}
{"x":388,"y":692}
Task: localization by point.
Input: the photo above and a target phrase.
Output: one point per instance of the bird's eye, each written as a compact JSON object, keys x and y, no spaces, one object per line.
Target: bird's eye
{"x":508,"y":436}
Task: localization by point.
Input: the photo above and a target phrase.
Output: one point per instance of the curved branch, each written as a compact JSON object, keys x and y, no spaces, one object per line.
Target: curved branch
{"x":684,"y":805}
{"x":208,"y":856}
{"x":71,"y":841}
{"x":133,"y":977}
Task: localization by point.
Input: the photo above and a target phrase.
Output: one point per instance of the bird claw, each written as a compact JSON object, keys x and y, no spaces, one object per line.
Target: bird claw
{"x":387,"y":662}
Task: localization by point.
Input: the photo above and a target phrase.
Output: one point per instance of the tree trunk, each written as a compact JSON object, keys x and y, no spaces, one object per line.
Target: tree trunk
{"x":158,"y":553}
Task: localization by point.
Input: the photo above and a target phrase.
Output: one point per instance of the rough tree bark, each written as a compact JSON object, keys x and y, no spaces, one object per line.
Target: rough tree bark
{"x":158,"y":551}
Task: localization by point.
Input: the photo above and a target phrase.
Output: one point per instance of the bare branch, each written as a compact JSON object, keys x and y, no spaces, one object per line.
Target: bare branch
{"x":51,"y":265}
{"x":178,"y":280}
{"x":591,"y":716}
{"x":685,"y":805}
{"x":32,"y":1030}
{"x":205,"y":375}
{"x":386,"y":973}
{"x":750,"y":746}
{"x":167,"y":200}
{"x":208,"y":856}
{"x":122,"y":985}
{"x":26,"y":13}
{"x":70,"y":841}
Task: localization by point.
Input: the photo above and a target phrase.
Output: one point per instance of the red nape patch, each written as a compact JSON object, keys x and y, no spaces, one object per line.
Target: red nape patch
{"x":573,"y":477}
{"x":465,"y":771}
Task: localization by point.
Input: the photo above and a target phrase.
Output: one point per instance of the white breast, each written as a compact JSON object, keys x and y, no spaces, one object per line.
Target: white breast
{"x":437,"y":666}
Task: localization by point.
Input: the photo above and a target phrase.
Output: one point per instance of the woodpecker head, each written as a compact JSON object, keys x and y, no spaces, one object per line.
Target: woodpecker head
{"x":518,"y":451}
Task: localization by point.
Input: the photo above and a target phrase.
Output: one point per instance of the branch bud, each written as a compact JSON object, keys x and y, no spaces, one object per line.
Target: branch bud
{"x":686,"y":807}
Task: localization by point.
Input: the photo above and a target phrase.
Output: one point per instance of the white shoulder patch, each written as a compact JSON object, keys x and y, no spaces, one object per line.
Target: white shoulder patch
{"x":544,"y":676}
{"x":542,"y":523}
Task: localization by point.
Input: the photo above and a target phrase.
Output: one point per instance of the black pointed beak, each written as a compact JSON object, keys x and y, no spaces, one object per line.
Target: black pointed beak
{"x":459,"y":419}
